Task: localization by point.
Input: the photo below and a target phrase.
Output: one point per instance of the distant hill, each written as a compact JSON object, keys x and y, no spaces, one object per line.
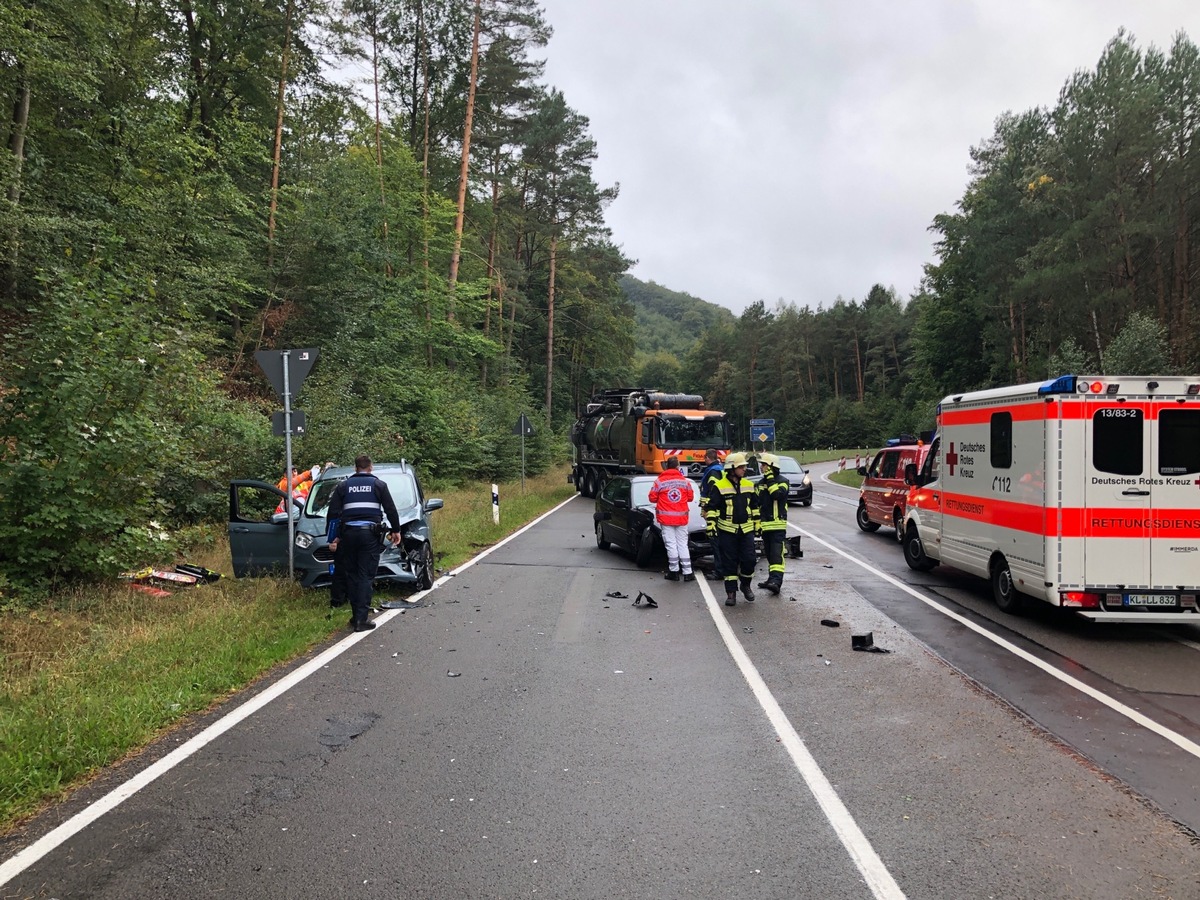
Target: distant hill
{"x":669,"y":320}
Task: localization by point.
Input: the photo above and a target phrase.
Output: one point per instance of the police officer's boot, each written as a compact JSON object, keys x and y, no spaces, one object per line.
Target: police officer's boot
{"x":746,"y":592}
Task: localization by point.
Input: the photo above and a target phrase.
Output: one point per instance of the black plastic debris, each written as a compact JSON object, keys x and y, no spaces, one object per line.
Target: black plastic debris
{"x":866,"y":643}
{"x":749,"y":629}
{"x":832,"y":623}
{"x":650,"y":602}
{"x":617,"y":594}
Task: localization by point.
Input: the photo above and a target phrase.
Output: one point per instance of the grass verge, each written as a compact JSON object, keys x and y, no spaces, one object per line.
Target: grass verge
{"x":96,"y":674}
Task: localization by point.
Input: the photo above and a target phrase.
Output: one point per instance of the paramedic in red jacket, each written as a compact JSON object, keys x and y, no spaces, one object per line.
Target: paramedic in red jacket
{"x":671,"y":494}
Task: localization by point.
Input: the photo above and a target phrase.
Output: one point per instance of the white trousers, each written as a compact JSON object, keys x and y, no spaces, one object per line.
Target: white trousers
{"x":675,"y":539}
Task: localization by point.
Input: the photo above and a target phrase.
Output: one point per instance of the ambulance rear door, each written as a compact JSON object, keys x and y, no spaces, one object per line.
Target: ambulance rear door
{"x":1115,"y":520}
{"x":1175,"y":496}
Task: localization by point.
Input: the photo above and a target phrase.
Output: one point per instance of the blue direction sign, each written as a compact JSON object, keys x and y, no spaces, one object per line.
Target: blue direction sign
{"x":762,"y":430}
{"x":762,"y":433}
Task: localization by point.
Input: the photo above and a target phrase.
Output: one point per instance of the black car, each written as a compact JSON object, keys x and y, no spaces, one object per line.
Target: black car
{"x":625,"y":517}
{"x":800,"y":488}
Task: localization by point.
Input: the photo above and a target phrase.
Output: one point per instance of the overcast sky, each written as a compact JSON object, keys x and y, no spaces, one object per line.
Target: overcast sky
{"x":799,"y":150}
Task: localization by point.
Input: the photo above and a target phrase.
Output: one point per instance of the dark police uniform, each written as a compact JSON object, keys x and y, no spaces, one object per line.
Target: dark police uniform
{"x":359,"y":504}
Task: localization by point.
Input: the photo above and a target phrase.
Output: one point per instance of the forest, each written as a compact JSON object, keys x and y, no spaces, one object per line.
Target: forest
{"x":393,"y":182}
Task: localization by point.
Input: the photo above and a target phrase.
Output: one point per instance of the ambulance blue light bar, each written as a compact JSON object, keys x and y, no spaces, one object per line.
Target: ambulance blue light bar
{"x":1064,"y":384}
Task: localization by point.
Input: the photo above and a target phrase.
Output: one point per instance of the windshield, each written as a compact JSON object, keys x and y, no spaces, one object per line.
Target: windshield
{"x":787,"y":464}
{"x":400,"y":485}
{"x":693,"y":432}
{"x":641,"y":492}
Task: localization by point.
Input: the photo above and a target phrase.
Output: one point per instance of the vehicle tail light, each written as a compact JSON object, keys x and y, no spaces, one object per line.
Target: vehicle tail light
{"x":1187,"y":601}
{"x":1079,"y":599}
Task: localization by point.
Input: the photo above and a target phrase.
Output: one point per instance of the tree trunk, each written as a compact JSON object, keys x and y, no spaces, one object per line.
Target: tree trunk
{"x":387,"y":257}
{"x":550,"y":318}
{"x":16,"y":146}
{"x":466,"y":156}
{"x":283,"y":72}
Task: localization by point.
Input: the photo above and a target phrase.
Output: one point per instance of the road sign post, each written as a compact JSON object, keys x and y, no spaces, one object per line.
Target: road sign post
{"x":286,"y":370}
{"x":524,"y":429}
{"x":762,"y":430}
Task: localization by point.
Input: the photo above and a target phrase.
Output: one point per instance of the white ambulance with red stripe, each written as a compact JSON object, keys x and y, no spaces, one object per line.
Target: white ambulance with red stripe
{"x":1081,"y":492}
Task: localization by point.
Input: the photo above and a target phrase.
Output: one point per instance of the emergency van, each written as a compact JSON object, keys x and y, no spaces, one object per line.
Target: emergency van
{"x":883,"y":493}
{"x":1081,"y":492}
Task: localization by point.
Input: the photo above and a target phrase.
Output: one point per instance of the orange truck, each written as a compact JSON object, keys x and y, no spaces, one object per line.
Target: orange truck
{"x":626,"y":431}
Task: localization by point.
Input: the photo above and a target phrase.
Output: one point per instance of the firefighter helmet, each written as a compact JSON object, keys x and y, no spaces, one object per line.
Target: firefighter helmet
{"x":733,"y":460}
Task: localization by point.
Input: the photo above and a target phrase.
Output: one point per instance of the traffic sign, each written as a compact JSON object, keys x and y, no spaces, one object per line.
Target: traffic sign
{"x":279,"y":422}
{"x":523,"y":427}
{"x":762,"y":433}
{"x":754,"y":423}
{"x":299,"y":363}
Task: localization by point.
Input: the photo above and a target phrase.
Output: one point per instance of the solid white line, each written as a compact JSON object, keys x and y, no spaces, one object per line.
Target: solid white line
{"x":17,"y":864}
{"x":1115,"y":705}
{"x":869,"y":864}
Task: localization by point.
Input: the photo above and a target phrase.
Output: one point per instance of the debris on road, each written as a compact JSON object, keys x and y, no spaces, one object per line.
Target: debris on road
{"x":866,"y":643}
{"x":617,"y":594}
{"x":650,"y":601}
{"x":831,"y":623}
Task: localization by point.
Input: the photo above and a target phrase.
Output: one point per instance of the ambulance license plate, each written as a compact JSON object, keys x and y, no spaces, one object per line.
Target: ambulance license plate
{"x":1150,"y":600}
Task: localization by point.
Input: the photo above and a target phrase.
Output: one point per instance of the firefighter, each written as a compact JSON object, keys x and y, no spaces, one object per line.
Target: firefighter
{"x":772,"y":492}
{"x":732,"y":515}
{"x":712,"y":471}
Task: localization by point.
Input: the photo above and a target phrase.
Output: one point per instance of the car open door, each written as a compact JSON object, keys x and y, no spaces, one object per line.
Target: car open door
{"x":257,"y":537}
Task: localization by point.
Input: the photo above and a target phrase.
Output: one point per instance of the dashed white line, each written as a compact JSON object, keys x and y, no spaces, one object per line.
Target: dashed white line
{"x":873,"y":871}
{"x":1116,"y":706}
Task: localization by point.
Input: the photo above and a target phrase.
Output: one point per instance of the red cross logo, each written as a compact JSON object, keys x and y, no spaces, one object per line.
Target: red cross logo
{"x":952,"y":458}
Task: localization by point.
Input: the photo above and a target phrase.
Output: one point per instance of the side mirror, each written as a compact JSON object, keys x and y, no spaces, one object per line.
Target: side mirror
{"x":910,"y":475}
{"x":862,"y":470}
{"x":433,"y":503}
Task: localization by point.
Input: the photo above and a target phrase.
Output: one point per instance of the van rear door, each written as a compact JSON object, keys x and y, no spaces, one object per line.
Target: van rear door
{"x":1117,"y":498}
{"x":1175,"y":497}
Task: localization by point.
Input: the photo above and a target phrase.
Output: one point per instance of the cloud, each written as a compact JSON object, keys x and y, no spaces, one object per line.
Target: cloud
{"x":783,"y":149}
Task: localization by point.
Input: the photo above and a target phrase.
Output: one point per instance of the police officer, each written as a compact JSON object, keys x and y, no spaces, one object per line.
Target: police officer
{"x":359,"y":504}
{"x":732,"y":514}
{"x":772,"y":492}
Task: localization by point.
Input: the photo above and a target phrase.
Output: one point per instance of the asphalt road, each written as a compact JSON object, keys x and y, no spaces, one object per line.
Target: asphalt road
{"x":521,"y":734}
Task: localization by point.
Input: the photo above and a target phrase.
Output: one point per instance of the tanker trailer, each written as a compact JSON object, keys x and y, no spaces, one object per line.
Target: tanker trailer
{"x":634,"y":430}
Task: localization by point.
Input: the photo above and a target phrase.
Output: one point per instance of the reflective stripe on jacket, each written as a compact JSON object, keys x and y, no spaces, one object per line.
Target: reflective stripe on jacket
{"x":671,"y":493}
{"x":772,"y":493}
{"x":734,"y":507}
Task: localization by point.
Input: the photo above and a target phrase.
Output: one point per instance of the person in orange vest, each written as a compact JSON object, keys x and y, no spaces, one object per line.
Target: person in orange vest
{"x":671,"y":494}
{"x":298,"y":478}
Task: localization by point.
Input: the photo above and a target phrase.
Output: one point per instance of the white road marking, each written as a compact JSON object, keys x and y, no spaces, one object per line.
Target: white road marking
{"x":17,"y":864}
{"x":1193,"y":644}
{"x":869,"y":864}
{"x":1116,"y":706}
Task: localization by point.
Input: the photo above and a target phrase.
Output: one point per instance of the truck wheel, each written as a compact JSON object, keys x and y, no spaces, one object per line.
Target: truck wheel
{"x":863,"y":522}
{"x":601,"y":542}
{"x":914,"y":553}
{"x":589,"y":483}
{"x":645,"y":548}
{"x":1005,"y":593}
{"x":898,"y":524}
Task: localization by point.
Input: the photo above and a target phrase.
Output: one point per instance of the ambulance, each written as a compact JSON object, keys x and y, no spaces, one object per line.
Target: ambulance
{"x":1082,"y":492}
